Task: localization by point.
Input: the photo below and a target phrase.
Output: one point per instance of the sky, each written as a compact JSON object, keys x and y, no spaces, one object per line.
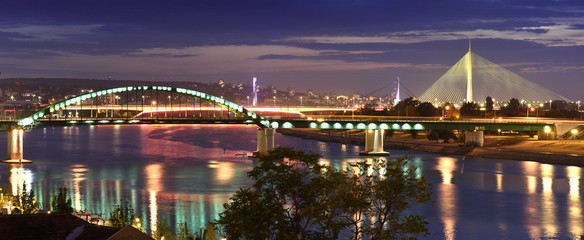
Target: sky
{"x":341,"y":46}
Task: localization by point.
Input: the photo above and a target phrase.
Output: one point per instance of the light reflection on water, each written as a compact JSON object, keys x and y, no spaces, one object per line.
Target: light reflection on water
{"x":186,"y":173}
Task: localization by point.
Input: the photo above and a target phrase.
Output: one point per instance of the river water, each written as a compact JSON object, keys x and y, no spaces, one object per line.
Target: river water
{"x":186,"y":172}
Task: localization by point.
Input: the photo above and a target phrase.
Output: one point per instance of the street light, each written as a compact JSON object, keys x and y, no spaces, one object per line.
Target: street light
{"x":574,"y":132}
{"x":300,"y":100}
{"x":151,"y":110}
{"x":547,"y":131}
{"x":166,"y":107}
{"x":274,"y":101}
{"x":447,"y":107}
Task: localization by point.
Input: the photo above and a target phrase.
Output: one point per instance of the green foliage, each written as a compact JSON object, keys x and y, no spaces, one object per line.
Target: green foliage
{"x":163,"y":229}
{"x":209,"y":232}
{"x":62,"y":204}
{"x":3,"y":198}
{"x":414,"y":133}
{"x":426,"y":109}
{"x":388,"y":134}
{"x":25,"y":202}
{"x":446,"y":135}
{"x":295,"y":197}
{"x":123,"y":215}
{"x":406,"y":107}
{"x":433,"y":135}
{"x":489,"y":104}
{"x":513,"y":108}
{"x":367,"y":109}
{"x":184,"y":233}
{"x":395,"y":186}
{"x":469,"y":109}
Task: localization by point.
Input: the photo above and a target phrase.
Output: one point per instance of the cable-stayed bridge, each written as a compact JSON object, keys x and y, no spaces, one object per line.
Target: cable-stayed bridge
{"x":474,"y":78}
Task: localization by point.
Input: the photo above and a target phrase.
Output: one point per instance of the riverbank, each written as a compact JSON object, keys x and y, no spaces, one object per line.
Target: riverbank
{"x":563,"y":152}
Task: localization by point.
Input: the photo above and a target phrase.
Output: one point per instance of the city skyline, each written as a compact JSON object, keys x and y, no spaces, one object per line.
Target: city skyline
{"x":341,"y":46}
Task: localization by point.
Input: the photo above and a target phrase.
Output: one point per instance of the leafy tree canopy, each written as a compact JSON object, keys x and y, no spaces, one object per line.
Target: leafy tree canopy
{"x":296,"y":197}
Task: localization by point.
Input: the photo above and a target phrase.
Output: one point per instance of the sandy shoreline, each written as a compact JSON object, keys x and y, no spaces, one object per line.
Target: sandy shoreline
{"x":563,"y":152}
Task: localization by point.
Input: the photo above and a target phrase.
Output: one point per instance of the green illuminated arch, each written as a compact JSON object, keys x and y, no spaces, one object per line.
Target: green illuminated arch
{"x":237,"y":109}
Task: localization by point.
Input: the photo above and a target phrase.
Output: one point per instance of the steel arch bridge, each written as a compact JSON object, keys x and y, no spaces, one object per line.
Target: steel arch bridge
{"x":135,"y":108}
{"x":142,"y":105}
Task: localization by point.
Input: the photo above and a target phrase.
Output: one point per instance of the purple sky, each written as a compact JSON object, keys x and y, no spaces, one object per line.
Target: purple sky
{"x":325,"y":45}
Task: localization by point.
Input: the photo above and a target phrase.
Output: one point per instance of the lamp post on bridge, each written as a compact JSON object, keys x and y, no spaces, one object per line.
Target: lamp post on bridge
{"x":447,"y":107}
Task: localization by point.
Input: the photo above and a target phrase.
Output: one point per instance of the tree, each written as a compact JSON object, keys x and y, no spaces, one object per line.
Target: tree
{"x":406,"y":107}
{"x":184,"y":233}
{"x":489,"y":103}
{"x":433,"y":135}
{"x":388,"y":134}
{"x":395,"y":186}
{"x":426,"y":109}
{"x":123,"y":215}
{"x":296,"y":197}
{"x":469,"y":109}
{"x":163,"y":229}
{"x":513,"y":108}
{"x":414,"y":133}
{"x":26,"y":202}
{"x":367,"y":109}
{"x":62,"y":204}
{"x":446,"y":135}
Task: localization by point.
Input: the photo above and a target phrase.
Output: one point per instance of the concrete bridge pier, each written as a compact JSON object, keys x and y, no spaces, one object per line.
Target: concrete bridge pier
{"x":15,"y":149}
{"x":475,"y":138}
{"x":265,"y":141}
{"x":374,"y":143}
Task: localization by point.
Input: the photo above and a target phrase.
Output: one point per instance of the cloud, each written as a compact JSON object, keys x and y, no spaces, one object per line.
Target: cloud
{"x":555,"y":69}
{"x":564,"y":34}
{"x":205,"y":60}
{"x":49,"y":32}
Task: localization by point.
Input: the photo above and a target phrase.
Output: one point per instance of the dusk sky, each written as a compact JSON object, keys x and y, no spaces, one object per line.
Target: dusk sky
{"x":340,"y":46}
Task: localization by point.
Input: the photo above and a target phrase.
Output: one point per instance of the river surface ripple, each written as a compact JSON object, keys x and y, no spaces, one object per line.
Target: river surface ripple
{"x":186,"y":172}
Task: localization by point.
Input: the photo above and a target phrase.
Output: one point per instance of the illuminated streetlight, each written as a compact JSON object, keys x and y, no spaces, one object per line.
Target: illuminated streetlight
{"x":574,"y":132}
{"x":447,"y":107}
{"x":166,"y":107}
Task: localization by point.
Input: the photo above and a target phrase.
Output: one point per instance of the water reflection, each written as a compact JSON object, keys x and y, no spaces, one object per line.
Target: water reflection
{"x":166,"y":171}
{"x":20,"y":176}
{"x":548,"y":206}
{"x":78,"y":176}
{"x":447,"y":196}
{"x":574,"y":203}
{"x":154,"y":173}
